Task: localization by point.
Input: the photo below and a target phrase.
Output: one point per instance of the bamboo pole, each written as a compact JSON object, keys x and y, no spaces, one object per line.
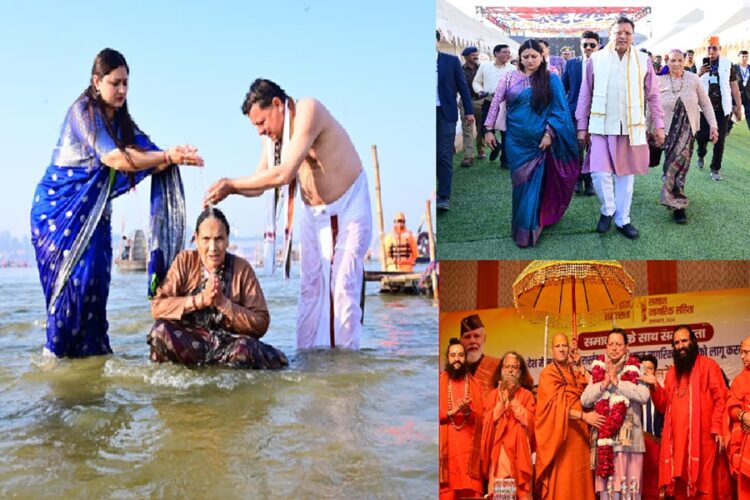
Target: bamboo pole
{"x":433,"y":276}
{"x":379,"y":207}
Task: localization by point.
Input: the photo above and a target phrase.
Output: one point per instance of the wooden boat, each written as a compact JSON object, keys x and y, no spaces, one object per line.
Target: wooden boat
{"x":401,"y":282}
{"x":133,"y":257}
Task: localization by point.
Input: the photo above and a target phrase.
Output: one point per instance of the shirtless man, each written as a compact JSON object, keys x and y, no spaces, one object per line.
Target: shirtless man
{"x":336,"y":225}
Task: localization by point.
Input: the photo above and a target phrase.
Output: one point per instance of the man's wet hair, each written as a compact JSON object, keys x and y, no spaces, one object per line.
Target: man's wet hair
{"x":262,"y":92}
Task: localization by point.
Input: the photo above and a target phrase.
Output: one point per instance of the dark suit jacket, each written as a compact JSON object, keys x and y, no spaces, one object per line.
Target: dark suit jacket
{"x":658,"y":420}
{"x":571,"y":80}
{"x":451,"y":81}
{"x":559,"y":63}
{"x":744,"y":90}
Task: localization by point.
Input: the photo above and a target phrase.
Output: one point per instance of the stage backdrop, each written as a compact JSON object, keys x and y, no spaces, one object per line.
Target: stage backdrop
{"x":720,"y":319}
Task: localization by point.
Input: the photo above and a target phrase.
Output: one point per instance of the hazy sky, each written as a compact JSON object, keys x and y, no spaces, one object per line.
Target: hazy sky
{"x":191,"y":63}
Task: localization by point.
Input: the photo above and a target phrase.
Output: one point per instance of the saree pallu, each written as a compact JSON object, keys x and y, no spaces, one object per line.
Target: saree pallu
{"x":543,"y":181}
{"x":72,"y":235}
{"x":678,"y":150}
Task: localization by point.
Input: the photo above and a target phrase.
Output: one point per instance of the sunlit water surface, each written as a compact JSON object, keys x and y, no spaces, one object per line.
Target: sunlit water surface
{"x":335,"y":424}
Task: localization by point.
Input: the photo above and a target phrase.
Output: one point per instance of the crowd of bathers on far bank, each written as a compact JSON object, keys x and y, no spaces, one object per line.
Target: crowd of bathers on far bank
{"x":588,"y":124}
{"x":208,"y":305}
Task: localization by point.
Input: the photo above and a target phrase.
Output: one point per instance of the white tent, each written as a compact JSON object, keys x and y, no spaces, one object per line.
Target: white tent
{"x":460,"y":30}
{"x":734,"y":34}
{"x":681,"y":25}
{"x":731,"y":25}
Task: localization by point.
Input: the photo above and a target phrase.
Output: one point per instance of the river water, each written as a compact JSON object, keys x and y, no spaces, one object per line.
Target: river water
{"x":335,"y":424}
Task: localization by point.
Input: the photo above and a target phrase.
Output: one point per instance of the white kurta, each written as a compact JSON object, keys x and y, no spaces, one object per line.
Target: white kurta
{"x":332,"y":269}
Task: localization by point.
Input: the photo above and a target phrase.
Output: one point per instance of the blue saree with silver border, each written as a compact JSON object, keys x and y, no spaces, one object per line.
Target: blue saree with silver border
{"x":72,"y":233}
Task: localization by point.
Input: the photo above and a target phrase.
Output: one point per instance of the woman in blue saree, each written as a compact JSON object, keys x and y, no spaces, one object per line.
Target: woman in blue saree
{"x":541,"y":143}
{"x":101,"y":154}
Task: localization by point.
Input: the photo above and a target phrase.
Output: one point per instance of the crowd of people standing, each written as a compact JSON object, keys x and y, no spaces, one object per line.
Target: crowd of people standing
{"x":589,"y":124}
{"x":611,"y":429}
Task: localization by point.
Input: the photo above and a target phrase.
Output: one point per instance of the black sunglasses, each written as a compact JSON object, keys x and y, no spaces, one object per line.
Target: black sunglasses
{"x":590,"y":45}
{"x":399,"y":220}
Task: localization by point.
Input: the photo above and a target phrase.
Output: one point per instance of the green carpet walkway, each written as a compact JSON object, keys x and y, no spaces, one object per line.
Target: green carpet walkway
{"x":478,"y":223}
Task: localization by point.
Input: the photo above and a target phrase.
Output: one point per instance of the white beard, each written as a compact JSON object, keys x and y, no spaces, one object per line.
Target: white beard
{"x":473,"y":356}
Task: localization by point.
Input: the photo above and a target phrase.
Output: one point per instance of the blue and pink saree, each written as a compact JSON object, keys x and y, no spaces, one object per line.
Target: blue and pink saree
{"x":543,"y":181}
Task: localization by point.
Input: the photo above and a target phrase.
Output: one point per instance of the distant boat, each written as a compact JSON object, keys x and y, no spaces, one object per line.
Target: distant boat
{"x":132,"y":256}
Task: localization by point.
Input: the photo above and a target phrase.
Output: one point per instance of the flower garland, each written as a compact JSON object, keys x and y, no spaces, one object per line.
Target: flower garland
{"x":613,"y":408}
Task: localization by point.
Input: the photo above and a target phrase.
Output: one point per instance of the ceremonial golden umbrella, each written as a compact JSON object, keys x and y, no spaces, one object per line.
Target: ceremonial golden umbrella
{"x":575,"y":290}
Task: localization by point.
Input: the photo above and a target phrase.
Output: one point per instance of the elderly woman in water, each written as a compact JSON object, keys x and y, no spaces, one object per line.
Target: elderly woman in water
{"x":210,"y":310}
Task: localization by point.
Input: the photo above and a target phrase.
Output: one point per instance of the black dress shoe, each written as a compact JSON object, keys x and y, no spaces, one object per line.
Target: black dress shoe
{"x":680,"y":217}
{"x":579,"y":186}
{"x":495,"y":152}
{"x":589,"y":191}
{"x":629,"y":231}
{"x":605,"y":221}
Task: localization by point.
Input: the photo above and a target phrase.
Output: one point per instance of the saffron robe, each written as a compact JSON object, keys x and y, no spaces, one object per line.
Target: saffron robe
{"x":506,"y":443}
{"x":738,"y":447}
{"x":483,"y":371}
{"x":562,"y":455}
{"x":459,"y":460}
{"x":693,"y":415}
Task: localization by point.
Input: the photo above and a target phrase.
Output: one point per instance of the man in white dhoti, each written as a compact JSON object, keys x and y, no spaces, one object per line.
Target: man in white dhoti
{"x":314,"y":151}
{"x":618,"y":83}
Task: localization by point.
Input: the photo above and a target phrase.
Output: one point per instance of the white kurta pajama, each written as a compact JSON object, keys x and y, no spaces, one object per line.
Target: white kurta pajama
{"x":335,"y":239}
{"x":611,"y":107}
